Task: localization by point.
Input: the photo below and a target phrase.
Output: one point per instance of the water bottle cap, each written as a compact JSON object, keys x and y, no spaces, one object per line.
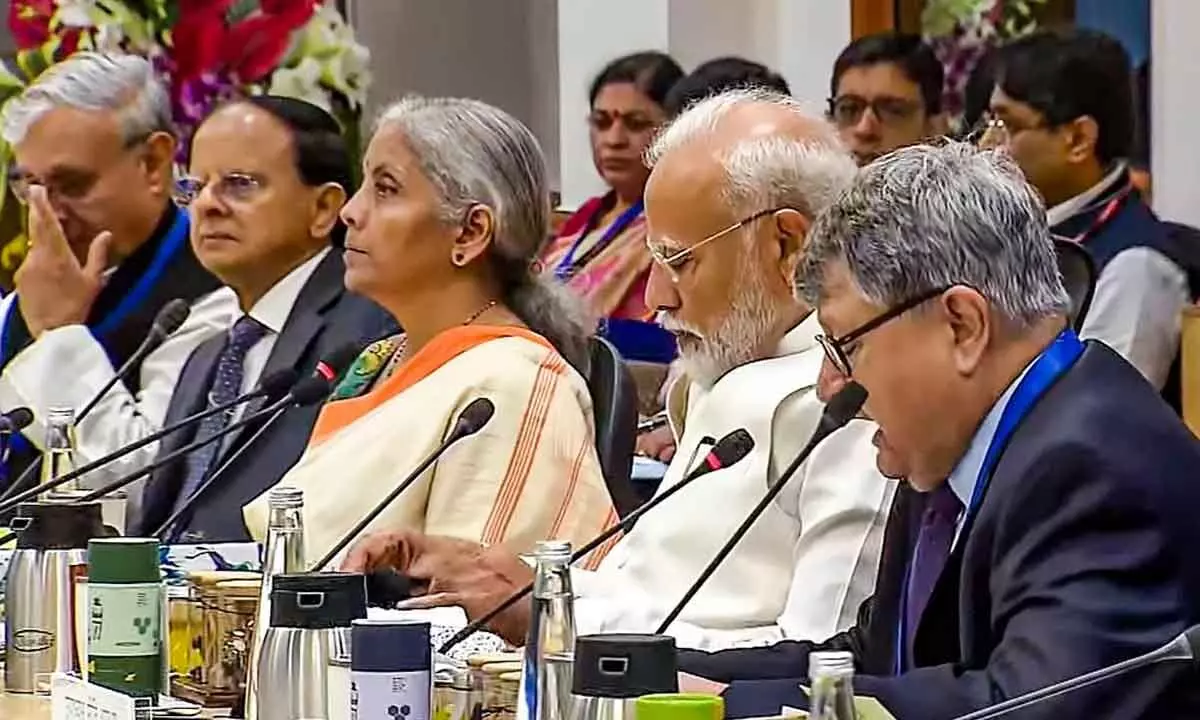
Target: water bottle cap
{"x":57,"y":526}
{"x":285,"y":497}
{"x":680,"y":706}
{"x":317,"y":601}
{"x":552,"y":549}
{"x":830,"y":663}
{"x":390,"y":646}
{"x":624,"y":666}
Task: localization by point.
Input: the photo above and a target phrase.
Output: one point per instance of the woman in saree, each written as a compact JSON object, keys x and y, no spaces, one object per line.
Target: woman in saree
{"x":444,"y":234}
{"x":600,"y":251}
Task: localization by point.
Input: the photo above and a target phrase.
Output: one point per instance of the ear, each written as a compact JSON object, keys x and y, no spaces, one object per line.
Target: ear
{"x":160,"y":162}
{"x":969,"y":324}
{"x":791,"y":230}
{"x":476,"y":234}
{"x":327,"y":204}
{"x":1082,"y":134}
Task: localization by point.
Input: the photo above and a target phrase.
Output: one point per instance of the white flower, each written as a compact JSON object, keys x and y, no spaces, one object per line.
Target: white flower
{"x":76,"y":13}
{"x":347,"y":73}
{"x":302,"y":82}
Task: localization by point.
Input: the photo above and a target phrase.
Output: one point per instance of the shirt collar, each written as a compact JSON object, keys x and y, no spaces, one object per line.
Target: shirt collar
{"x":1079,"y":203}
{"x":965,"y":475}
{"x":273,"y":308}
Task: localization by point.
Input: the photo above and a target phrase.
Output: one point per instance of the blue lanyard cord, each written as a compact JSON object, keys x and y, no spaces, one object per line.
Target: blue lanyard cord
{"x":566,"y":267}
{"x":1042,"y":374}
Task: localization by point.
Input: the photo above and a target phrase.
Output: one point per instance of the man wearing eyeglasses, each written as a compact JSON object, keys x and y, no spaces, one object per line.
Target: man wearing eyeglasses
{"x":266,"y":179}
{"x":886,"y":93}
{"x":1047,"y":523}
{"x":94,"y":149}
{"x":736,"y":180}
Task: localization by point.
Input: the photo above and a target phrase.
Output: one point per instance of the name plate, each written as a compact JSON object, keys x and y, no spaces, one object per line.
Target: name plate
{"x":75,"y":699}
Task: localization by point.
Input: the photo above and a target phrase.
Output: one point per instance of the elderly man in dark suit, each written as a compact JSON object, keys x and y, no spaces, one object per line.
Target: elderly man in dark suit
{"x":268,"y":177}
{"x":1050,"y":522}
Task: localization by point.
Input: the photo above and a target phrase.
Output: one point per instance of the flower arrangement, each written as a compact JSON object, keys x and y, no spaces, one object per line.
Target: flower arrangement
{"x":962,"y":31}
{"x":207,"y":51}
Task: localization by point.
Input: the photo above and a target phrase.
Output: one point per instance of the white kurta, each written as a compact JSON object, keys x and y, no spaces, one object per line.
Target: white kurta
{"x":806,"y":564}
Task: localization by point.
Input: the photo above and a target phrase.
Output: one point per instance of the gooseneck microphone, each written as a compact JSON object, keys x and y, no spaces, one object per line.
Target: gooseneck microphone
{"x":330,"y":368}
{"x":1184,"y":647}
{"x":728,"y":451}
{"x":13,"y":421}
{"x":169,"y":318}
{"x":840,"y":410}
{"x":273,"y":385}
{"x":474,"y":416}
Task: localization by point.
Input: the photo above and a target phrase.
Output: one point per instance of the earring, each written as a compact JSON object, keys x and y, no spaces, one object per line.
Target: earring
{"x":459,"y":259}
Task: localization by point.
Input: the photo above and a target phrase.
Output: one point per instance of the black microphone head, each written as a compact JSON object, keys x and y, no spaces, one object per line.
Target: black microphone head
{"x":310,"y":390}
{"x":474,"y":417}
{"x":278,"y":382}
{"x":1192,"y":637}
{"x":843,"y":406}
{"x":337,"y":362}
{"x":17,"y":419}
{"x":171,"y":316}
{"x":732,"y":448}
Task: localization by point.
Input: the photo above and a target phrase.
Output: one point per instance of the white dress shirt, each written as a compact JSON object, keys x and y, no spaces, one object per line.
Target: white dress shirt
{"x":1139,"y":298}
{"x":806,"y":564}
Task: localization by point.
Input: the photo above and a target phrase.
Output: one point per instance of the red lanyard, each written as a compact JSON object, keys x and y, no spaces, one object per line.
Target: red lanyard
{"x":1106,"y":215}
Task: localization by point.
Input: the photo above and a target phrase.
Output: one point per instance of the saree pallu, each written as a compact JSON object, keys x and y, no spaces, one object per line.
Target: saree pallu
{"x":530,"y":474}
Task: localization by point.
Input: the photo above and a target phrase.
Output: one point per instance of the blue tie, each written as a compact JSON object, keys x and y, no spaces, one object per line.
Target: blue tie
{"x":226,"y":386}
{"x":938,"y":525}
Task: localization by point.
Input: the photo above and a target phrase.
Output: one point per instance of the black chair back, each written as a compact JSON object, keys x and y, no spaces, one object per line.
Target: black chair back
{"x":1079,"y":276}
{"x":614,"y":401}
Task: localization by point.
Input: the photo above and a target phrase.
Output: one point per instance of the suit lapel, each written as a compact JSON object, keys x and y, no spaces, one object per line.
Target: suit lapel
{"x":305,"y":322}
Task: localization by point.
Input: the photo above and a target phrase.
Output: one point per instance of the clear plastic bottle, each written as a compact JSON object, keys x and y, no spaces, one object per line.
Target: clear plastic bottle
{"x":58,"y":455}
{"x":832,"y":678}
{"x":550,"y":648}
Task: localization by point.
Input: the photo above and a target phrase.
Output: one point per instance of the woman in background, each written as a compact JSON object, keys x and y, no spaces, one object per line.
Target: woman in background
{"x":443,"y":234}
{"x":600,"y":251}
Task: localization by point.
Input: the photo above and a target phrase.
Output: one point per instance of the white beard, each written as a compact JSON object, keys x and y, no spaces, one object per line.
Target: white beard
{"x":740,"y":337}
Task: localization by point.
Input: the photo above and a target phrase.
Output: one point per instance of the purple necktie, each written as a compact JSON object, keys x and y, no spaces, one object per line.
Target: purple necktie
{"x":226,"y":386}
{"x":938,"y":525}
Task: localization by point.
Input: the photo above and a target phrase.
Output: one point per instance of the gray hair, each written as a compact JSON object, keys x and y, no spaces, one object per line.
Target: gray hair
{"x":95,"y":81}
{"x":766,"y":171}
{"x":476,"y":154}
{"x":927,"y":217}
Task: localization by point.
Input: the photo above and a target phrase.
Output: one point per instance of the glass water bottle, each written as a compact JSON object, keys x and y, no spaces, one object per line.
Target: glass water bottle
{"x":832,"y":676}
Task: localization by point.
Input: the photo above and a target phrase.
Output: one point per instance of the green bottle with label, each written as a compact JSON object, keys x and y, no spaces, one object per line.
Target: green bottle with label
{"x":125,"y":624}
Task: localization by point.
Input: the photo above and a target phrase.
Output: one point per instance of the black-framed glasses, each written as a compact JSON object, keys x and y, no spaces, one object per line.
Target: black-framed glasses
{"x":847,"y":110}
{"x":835,"y":348}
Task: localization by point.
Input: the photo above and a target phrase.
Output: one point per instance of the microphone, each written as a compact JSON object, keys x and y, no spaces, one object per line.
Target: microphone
{"x":1184,"y":647}
{"x":730,"y":450}
{"x":273,"y":385}
{"x":840,"y":409}
{"x":167,"y":321}
{"x":15,"y":420}
{"x":330,"y":368}
{"x":472,"y":419}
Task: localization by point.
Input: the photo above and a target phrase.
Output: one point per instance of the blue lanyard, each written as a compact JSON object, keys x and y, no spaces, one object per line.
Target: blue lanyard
{"x":174,"y":240}
{"x":1046,"y":369}
{"x":566,"y":267}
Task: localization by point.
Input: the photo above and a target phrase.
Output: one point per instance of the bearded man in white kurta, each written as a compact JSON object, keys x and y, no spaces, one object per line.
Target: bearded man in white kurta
{"x":735,"y":183}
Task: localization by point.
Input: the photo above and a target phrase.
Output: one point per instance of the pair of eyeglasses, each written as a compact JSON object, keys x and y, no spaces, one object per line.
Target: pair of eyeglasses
{"x":838,"y":349}
{"x":602,"y":120}
{"x":672,"y":262}
{"x":72,"y":184}
{"x":847,"y":110}
{"x":231,"y":187}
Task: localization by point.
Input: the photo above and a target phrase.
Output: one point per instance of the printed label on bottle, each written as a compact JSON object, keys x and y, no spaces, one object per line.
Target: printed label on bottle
{"x":124,"y":620}
{"x":390,"y":696}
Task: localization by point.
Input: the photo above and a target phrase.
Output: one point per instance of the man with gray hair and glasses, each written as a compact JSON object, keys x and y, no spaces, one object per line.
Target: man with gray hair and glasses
{"x":735,"y":182}
{"x":1048,"y":525}
{"x":94,"y":153}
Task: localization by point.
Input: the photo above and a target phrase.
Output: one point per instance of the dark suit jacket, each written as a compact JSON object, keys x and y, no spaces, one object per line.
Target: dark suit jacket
{"x":1081,"y":554}
{"x":324,"y":318}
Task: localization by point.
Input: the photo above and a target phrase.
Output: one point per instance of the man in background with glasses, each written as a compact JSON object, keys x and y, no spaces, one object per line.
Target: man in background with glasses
{"x":1049,"y":515}
{"x":94,"y":151}
{"x":736,"y":181}
{"x":886,"y":93}
{"x":1063,"y":107}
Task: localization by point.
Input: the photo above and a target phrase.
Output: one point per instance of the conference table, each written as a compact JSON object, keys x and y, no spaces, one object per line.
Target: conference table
{"x":30,"y":707}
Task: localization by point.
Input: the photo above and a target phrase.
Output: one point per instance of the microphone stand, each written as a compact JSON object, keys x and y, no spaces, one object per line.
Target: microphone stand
{"x":191,"y":501}
{"x":171,"y":457}
{"x":10,"y":503}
